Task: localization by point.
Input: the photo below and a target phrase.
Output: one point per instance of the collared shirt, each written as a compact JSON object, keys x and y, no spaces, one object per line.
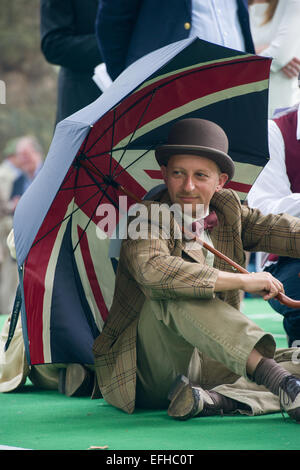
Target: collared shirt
{"x":195,"y":245}
{"x":271,"y":192}
{"x":217,"y":21}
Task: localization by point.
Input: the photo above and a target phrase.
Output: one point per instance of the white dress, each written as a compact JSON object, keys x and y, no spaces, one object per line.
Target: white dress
{"x":281,"y":35}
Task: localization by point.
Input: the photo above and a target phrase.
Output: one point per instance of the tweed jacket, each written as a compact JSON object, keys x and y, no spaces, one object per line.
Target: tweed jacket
{"x":162,"y":269}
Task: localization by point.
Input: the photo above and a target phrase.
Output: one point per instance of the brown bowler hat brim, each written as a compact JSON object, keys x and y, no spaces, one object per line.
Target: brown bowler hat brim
{"x":224,"y":162}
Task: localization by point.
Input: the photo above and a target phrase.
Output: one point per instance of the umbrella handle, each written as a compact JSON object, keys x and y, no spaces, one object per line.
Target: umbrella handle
{"x":282,"y":298}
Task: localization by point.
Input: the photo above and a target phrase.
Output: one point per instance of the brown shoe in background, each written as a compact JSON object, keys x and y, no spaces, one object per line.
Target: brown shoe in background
{"x":76,"y":381}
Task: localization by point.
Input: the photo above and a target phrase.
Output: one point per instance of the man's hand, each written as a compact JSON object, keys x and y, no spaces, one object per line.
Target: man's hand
{"x":292,"y":68}
{"x":262,"y":283}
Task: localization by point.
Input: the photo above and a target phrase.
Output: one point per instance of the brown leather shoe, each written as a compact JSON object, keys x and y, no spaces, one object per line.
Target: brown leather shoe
{"x":76,"y":381}
{"x":188,"y":401}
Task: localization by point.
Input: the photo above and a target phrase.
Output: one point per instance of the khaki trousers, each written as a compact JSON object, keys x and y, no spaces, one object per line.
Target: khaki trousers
{"x":208,"y":341}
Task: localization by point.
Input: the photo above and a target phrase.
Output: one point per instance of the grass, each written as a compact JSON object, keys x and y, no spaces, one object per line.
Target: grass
{"x":47,"y":420}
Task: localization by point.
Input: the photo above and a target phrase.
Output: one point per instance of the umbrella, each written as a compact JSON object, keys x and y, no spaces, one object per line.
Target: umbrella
{"x":66,"y":276}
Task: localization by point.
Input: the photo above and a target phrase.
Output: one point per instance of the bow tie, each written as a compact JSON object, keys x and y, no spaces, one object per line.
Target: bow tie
{"x":208,"y":223}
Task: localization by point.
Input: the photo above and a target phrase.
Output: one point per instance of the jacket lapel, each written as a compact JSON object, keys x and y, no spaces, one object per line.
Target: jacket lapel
{"x":191,"y":249}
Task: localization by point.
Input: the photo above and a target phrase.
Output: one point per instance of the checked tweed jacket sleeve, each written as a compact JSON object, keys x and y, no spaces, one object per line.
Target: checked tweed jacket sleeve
{"x":162,"y":269}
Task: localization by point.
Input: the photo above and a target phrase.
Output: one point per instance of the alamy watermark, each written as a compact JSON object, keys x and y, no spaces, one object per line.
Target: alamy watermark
{"x":152,"y":221}
{"x":2,"y":92}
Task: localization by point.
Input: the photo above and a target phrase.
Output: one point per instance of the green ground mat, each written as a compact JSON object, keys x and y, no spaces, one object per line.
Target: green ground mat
{"x":44,"y":420}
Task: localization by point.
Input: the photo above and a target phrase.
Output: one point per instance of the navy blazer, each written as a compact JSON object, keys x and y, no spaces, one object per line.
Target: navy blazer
{"x":128,"y":30}
{"x":68,"y":39}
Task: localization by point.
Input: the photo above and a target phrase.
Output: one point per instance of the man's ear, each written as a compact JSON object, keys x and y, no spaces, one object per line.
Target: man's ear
{"x":223,"y":177}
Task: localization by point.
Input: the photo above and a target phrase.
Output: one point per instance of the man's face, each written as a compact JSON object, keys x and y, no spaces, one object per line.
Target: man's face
{"x":29,"y":157}
{"x":192,"y":180}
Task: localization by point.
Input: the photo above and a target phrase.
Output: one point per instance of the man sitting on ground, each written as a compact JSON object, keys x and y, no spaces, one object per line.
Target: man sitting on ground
{"x":175,"y":336}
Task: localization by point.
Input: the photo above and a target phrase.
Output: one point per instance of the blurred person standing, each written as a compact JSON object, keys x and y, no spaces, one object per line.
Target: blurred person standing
{"x":70,"y":379}
{"x":24,"y":159}
{"x":68,"y":40}
{"x":30,"y":154}
{"x":10,"y":168}
{"x":129,"y":30}
{"x":277,"y":190}
{"x":275,"y":30}
{"x":10,"y":172}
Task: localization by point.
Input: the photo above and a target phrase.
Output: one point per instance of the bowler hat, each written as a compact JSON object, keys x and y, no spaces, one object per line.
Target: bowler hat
{"x":197,"y":137}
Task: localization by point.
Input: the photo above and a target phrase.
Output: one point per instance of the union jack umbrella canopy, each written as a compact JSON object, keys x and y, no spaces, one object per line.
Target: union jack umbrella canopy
{"x":66,"y":276}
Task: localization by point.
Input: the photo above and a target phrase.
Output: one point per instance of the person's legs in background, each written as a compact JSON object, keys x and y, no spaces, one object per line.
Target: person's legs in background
{"x":287,"y":271}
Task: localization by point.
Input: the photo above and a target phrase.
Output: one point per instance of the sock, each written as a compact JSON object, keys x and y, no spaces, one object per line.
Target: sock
{"x":227,"y":404}
{"x":270,"y":374}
